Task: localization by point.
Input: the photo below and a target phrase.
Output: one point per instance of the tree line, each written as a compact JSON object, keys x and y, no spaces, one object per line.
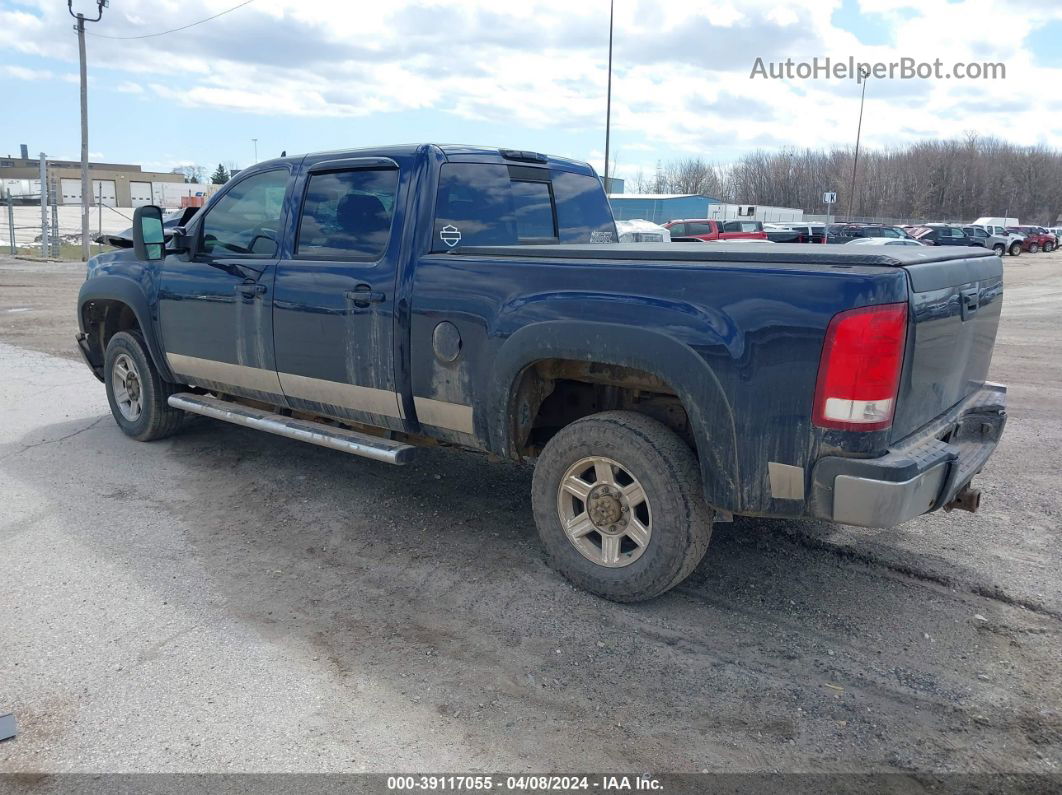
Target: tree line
{"x":945,"y":180}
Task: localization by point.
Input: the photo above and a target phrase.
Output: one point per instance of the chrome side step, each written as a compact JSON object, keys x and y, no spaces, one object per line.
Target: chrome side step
{"x":318,"y":433}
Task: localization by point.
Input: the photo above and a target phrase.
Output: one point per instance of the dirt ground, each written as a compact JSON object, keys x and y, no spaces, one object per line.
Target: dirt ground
{"x":230,"y":601}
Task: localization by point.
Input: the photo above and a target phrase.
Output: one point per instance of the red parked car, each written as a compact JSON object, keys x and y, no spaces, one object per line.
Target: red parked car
{"x":1036,"y":238}
{"x":704,"y":229}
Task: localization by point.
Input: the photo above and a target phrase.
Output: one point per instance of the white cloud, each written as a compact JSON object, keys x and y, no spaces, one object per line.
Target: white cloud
{"x":680,"y":86}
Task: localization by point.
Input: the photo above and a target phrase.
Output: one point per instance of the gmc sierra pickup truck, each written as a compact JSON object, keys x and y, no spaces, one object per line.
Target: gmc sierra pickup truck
{"x":374,"y":301}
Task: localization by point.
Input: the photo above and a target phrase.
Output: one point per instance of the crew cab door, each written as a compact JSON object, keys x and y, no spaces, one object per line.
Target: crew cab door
{"x":215,"y":303}
{"x":334,"y":301}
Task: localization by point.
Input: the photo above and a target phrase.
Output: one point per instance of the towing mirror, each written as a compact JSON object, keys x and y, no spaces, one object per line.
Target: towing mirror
{"x":149,"y":240}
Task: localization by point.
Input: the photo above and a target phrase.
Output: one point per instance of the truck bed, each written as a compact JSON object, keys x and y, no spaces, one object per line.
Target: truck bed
{"x":767,"y":253}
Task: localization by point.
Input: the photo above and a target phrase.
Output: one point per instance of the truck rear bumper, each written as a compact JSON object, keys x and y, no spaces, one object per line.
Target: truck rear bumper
{"x":919,"y":474}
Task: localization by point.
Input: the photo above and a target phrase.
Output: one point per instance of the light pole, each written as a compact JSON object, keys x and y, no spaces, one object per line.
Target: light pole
{"x":86,"y":194}
{"x":255,"y":140}
{"x":864,"y":73}
{"x":608,"y":99}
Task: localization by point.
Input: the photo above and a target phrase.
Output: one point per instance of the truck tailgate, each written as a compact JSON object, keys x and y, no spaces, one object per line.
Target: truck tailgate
{"x":955,"y":307}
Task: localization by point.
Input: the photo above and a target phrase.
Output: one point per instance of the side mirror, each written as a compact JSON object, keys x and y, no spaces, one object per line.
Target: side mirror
{"x":149,"y":240}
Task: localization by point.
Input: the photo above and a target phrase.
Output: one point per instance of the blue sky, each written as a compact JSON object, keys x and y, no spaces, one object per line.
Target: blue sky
{"x":305,"y":76}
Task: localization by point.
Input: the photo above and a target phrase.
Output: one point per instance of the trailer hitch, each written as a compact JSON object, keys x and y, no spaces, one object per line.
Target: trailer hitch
{"x":966,"y":500}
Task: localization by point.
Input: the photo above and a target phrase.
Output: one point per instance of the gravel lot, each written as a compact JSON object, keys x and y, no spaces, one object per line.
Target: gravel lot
{"x":230,"y":601}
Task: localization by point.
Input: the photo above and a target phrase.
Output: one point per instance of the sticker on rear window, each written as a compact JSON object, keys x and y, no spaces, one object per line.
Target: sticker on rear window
{"x":601,"y":236}
{"x":450,"y":235}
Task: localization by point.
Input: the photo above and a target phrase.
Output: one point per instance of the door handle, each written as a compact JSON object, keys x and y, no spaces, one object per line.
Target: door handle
{"x":968,"y":300}
{"x":250,"y":290}
{"x":363,"y":295}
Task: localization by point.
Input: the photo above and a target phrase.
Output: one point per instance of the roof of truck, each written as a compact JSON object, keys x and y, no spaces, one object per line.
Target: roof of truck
{"x":455,"y":153}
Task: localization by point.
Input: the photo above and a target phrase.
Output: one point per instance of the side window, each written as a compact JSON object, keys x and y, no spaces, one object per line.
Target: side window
{"x":698,"y":229}
{"x":347,"y":213}
{"x":888,"y":231}
{"x":678,"y":230}
{"x":732,"y":226}
{"x":246,"y":220}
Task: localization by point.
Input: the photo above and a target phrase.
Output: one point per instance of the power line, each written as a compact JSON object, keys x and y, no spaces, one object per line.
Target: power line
{"x":174,"y":30}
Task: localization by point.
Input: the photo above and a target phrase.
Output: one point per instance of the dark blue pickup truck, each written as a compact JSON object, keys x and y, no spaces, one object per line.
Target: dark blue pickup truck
{"x":373,"y":301}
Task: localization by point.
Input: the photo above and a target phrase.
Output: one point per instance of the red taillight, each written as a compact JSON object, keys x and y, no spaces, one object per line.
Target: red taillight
{"x":859,"y":370}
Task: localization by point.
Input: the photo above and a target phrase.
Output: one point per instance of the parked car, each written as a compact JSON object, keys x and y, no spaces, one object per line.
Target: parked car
{"x":981,"y":237}
{"x":639,"y":230}
{"x":1036,"y":238}
{"x":842,"y":233}
{"x":372,"y":301}
{"x":942,"y":235}
{"x":794,"y":232}
{"x":883,"y":241}
{"x":711,"y":229}
{"x":1013,"y":240}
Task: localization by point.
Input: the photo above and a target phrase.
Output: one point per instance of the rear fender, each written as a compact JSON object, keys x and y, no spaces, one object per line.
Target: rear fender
{"x":677,"y":364}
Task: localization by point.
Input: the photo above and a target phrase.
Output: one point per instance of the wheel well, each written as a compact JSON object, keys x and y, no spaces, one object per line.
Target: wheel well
{"x":103,"y":319}
{"x":552,"y":393}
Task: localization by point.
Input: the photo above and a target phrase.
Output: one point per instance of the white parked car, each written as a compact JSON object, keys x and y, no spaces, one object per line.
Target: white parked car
{"x":882,"y":241}
{"x":638,"y":230}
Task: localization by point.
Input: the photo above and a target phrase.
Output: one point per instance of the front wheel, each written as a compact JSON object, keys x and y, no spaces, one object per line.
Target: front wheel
{"x":136,"y":392}
{"x":617,"y":500}
{"x":1049,"y":247}
{"x":1015,"y":249}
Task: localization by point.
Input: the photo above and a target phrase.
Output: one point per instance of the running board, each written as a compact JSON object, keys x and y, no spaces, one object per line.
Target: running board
{"x":378,"y":449}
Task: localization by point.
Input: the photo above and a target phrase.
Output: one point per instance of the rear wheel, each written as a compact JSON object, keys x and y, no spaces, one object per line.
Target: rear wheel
{"x":617,"y":500}
{"x":1015,"y":249}
{"x":136,"y":392}
{"x":1034,"y":248}
{"x":1000,"y":249}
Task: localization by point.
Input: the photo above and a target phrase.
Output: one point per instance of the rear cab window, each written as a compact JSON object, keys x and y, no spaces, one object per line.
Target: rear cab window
{"x":488,"y":204}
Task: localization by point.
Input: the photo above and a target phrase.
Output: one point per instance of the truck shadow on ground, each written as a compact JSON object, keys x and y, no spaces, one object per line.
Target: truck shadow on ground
{"x":429,"y":580}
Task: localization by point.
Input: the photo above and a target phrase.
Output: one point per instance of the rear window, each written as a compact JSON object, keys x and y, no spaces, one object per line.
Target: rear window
{"x":487,"y":204}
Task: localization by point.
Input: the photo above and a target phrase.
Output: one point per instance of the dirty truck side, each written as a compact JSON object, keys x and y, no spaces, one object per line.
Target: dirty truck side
{"x":373,"y":301}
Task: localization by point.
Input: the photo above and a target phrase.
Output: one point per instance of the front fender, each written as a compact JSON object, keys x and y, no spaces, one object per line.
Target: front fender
{"x":692,"y":379}
{"x":114,"y":287}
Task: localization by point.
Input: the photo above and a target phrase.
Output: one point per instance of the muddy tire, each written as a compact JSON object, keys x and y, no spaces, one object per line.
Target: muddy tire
{"x":1015,"y":249}
{"x":1000,"y":249}
{"x":617,"y":500}
{"x":136,"y":392}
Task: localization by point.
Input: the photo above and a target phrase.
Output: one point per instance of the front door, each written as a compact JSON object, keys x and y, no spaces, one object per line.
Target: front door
{"x":216,"y":303}
{"x":334,"y":301}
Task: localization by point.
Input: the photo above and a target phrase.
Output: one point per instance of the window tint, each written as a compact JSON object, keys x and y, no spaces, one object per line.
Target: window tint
{"x":246,"y":220}
{"x":583,"y":213}
{"x":677,"y":230}
{"x":481,"y":204}
{"x":533,"y":208}
{"x":698,"y":229}
{"x":347,"y":213}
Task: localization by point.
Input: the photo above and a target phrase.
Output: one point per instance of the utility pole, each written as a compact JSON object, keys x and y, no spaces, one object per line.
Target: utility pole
{"x":86,"y":191}
{"x":608,"y":99}
{"x":864,"y":74}
{"x":255,"y":149}
{"x":44,"y":206}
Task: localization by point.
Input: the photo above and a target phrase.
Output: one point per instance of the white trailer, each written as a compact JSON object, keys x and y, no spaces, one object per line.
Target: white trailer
{"x":754,"y":212}
{"x":169,"y":194}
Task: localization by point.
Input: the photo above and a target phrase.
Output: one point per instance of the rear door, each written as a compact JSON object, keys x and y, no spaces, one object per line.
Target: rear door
{"x":954,"y":306}
{"x":334,"y":301}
